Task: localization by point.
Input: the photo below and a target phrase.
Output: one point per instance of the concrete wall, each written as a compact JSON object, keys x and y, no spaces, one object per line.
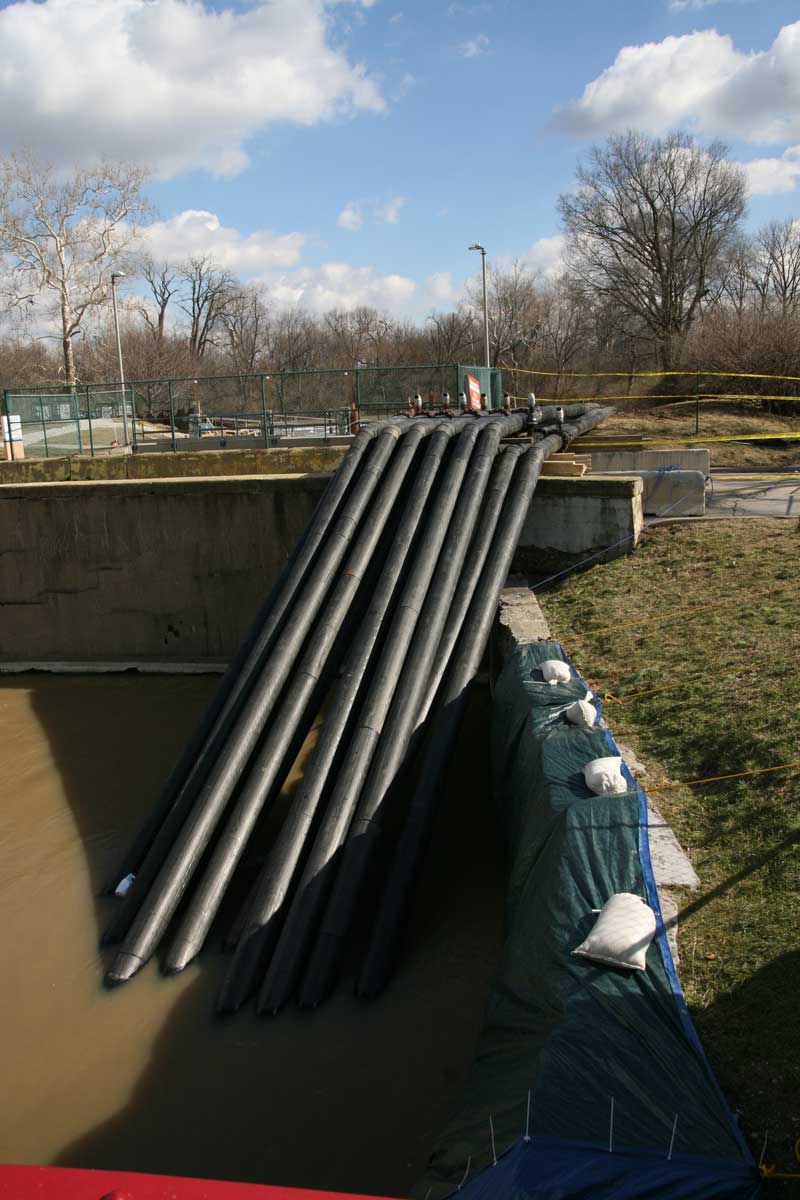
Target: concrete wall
{"x":572,"y":518}
{"x":278,"y":460}
{"x":175,"y":569}
{"x":171,"y":569}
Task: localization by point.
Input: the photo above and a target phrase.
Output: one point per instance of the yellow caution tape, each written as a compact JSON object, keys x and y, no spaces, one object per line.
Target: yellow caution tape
{"x":650,"y":374}
{"x":698,"y":438}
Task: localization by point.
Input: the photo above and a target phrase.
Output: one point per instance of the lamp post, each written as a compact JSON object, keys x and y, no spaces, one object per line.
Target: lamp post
{"x":478,"y":246}
{"x":115,"y":275}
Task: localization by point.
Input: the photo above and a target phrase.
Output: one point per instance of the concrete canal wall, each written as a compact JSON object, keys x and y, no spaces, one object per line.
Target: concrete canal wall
{"x":174,"y":569}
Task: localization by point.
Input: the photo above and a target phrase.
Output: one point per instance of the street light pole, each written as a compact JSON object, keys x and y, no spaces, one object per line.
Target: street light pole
{"x":478,"y":246}
{"x":115,"y":275}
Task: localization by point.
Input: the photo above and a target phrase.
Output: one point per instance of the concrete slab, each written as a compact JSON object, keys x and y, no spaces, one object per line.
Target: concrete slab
{"x":684,"y":458}
{"x":671,"y":867}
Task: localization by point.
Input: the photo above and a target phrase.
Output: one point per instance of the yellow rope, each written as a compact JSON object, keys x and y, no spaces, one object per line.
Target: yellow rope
{"x":676,"y":612}
{"x":660,"y":787}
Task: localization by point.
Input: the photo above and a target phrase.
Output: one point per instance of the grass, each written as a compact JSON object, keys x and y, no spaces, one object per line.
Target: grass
{"x":717,"y":419}
{"x":736,"y":707}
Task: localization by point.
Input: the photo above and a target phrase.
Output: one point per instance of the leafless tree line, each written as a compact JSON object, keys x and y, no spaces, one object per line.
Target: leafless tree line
{"x":658,"y":273}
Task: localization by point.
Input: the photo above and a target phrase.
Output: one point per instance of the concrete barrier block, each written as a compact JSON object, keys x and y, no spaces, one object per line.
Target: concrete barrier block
{"x":687,"y":458}
{"x":673,"y":493}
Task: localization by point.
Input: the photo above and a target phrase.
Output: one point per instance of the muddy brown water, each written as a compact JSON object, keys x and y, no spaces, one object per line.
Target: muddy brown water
{"x":145,"y":1078}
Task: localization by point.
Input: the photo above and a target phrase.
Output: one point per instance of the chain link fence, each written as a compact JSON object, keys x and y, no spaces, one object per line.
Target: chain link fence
{"x":238,"y":410}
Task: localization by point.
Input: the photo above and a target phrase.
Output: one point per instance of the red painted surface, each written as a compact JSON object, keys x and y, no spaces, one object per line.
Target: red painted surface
{"x":63,"y":1183}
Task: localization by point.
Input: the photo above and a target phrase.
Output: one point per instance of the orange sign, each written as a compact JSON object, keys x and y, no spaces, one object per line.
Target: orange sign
{"x":473,"y":392}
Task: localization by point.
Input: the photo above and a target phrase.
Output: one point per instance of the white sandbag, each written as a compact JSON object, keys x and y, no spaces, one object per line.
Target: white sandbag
{"x":604,"y":775}
{"x":582,"y":712}
{"x":555,"y":671}
{"x":621,"y":934}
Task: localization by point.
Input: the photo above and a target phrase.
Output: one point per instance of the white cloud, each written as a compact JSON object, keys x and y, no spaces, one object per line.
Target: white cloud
{"x":691,"y":5}
{"x":546,"y":255}
{"x":441,"y":291}
{"x":766,"y":176}
{"x":390,"y":211}
{"x":699,"y":79}
{"x":474,"y":47}
{"x":350,"y":217}
{"x":196,"y":232}
{"x":175,"y":84}
{"x":339,"y":285}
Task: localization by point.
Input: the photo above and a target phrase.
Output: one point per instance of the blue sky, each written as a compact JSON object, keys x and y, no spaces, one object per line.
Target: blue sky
{"x":349,"y":152}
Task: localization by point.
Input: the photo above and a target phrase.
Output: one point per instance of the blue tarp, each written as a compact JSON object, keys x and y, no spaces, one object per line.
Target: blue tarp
{"x":566,"y":1040}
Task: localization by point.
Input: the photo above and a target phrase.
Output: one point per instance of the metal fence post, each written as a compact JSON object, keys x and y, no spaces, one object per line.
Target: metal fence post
{"x":171,"y":413}
{"x":8,"y":445}
{"x":44,"y":428}
{"x":697,"y":403}
{"x":133,"y":411}
{"x":358,"y":391}
{"x":263,"y":381}
{"x":89,"y":418}
{"x":78,"y":421}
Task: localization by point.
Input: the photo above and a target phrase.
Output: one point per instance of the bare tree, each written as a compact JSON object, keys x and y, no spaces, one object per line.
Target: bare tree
{"x":451,"y":336}
{"x":162,"y":279}
{"x":208,"y":289}
{"x":246,"y":321}
{"x":358,"y":334}
{"x":61,"y":236}
{"x":565,"y":321}
{"x":648,"y":227}
{"x":777,"y":249}
{"x":514,"y":313}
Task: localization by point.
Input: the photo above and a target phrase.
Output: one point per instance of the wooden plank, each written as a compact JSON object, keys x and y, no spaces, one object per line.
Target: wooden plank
{"x":575,"y":470}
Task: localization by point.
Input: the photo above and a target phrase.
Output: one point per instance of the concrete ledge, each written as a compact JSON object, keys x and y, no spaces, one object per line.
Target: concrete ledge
{"x":278,"y":460}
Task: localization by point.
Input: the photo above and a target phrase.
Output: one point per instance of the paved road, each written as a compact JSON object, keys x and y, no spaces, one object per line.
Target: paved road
{"x":753,"y":496}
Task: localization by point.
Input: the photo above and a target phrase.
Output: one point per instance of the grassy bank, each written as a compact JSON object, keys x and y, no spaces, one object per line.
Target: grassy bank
{"x":706,"y":693}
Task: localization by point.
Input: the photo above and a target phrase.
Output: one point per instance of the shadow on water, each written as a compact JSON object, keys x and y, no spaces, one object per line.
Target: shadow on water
{"x":145,"y":1078}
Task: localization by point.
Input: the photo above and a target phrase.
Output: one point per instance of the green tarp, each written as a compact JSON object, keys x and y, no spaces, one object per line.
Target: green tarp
{"x":563,"y":1035}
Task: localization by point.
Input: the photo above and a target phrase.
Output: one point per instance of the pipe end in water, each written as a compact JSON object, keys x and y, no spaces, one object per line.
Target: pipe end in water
{"x":123,"y":968}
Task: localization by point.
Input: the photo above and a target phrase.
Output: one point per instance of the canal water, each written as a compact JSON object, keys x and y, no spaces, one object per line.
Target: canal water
{"x":145,"y":1078}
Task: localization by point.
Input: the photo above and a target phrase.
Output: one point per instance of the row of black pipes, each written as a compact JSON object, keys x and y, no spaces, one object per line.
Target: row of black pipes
{"x":382,"y":615}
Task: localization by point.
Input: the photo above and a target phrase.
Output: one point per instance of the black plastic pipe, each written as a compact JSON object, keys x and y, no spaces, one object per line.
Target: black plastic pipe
{"x":365,"y":832}
{"x":402,"y":875}
{"x":242,"y":669}
{"x":259,"y":924}
{"x":170,"y":863}
{"x":262,"y":774}
{"x":312,"y":892}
